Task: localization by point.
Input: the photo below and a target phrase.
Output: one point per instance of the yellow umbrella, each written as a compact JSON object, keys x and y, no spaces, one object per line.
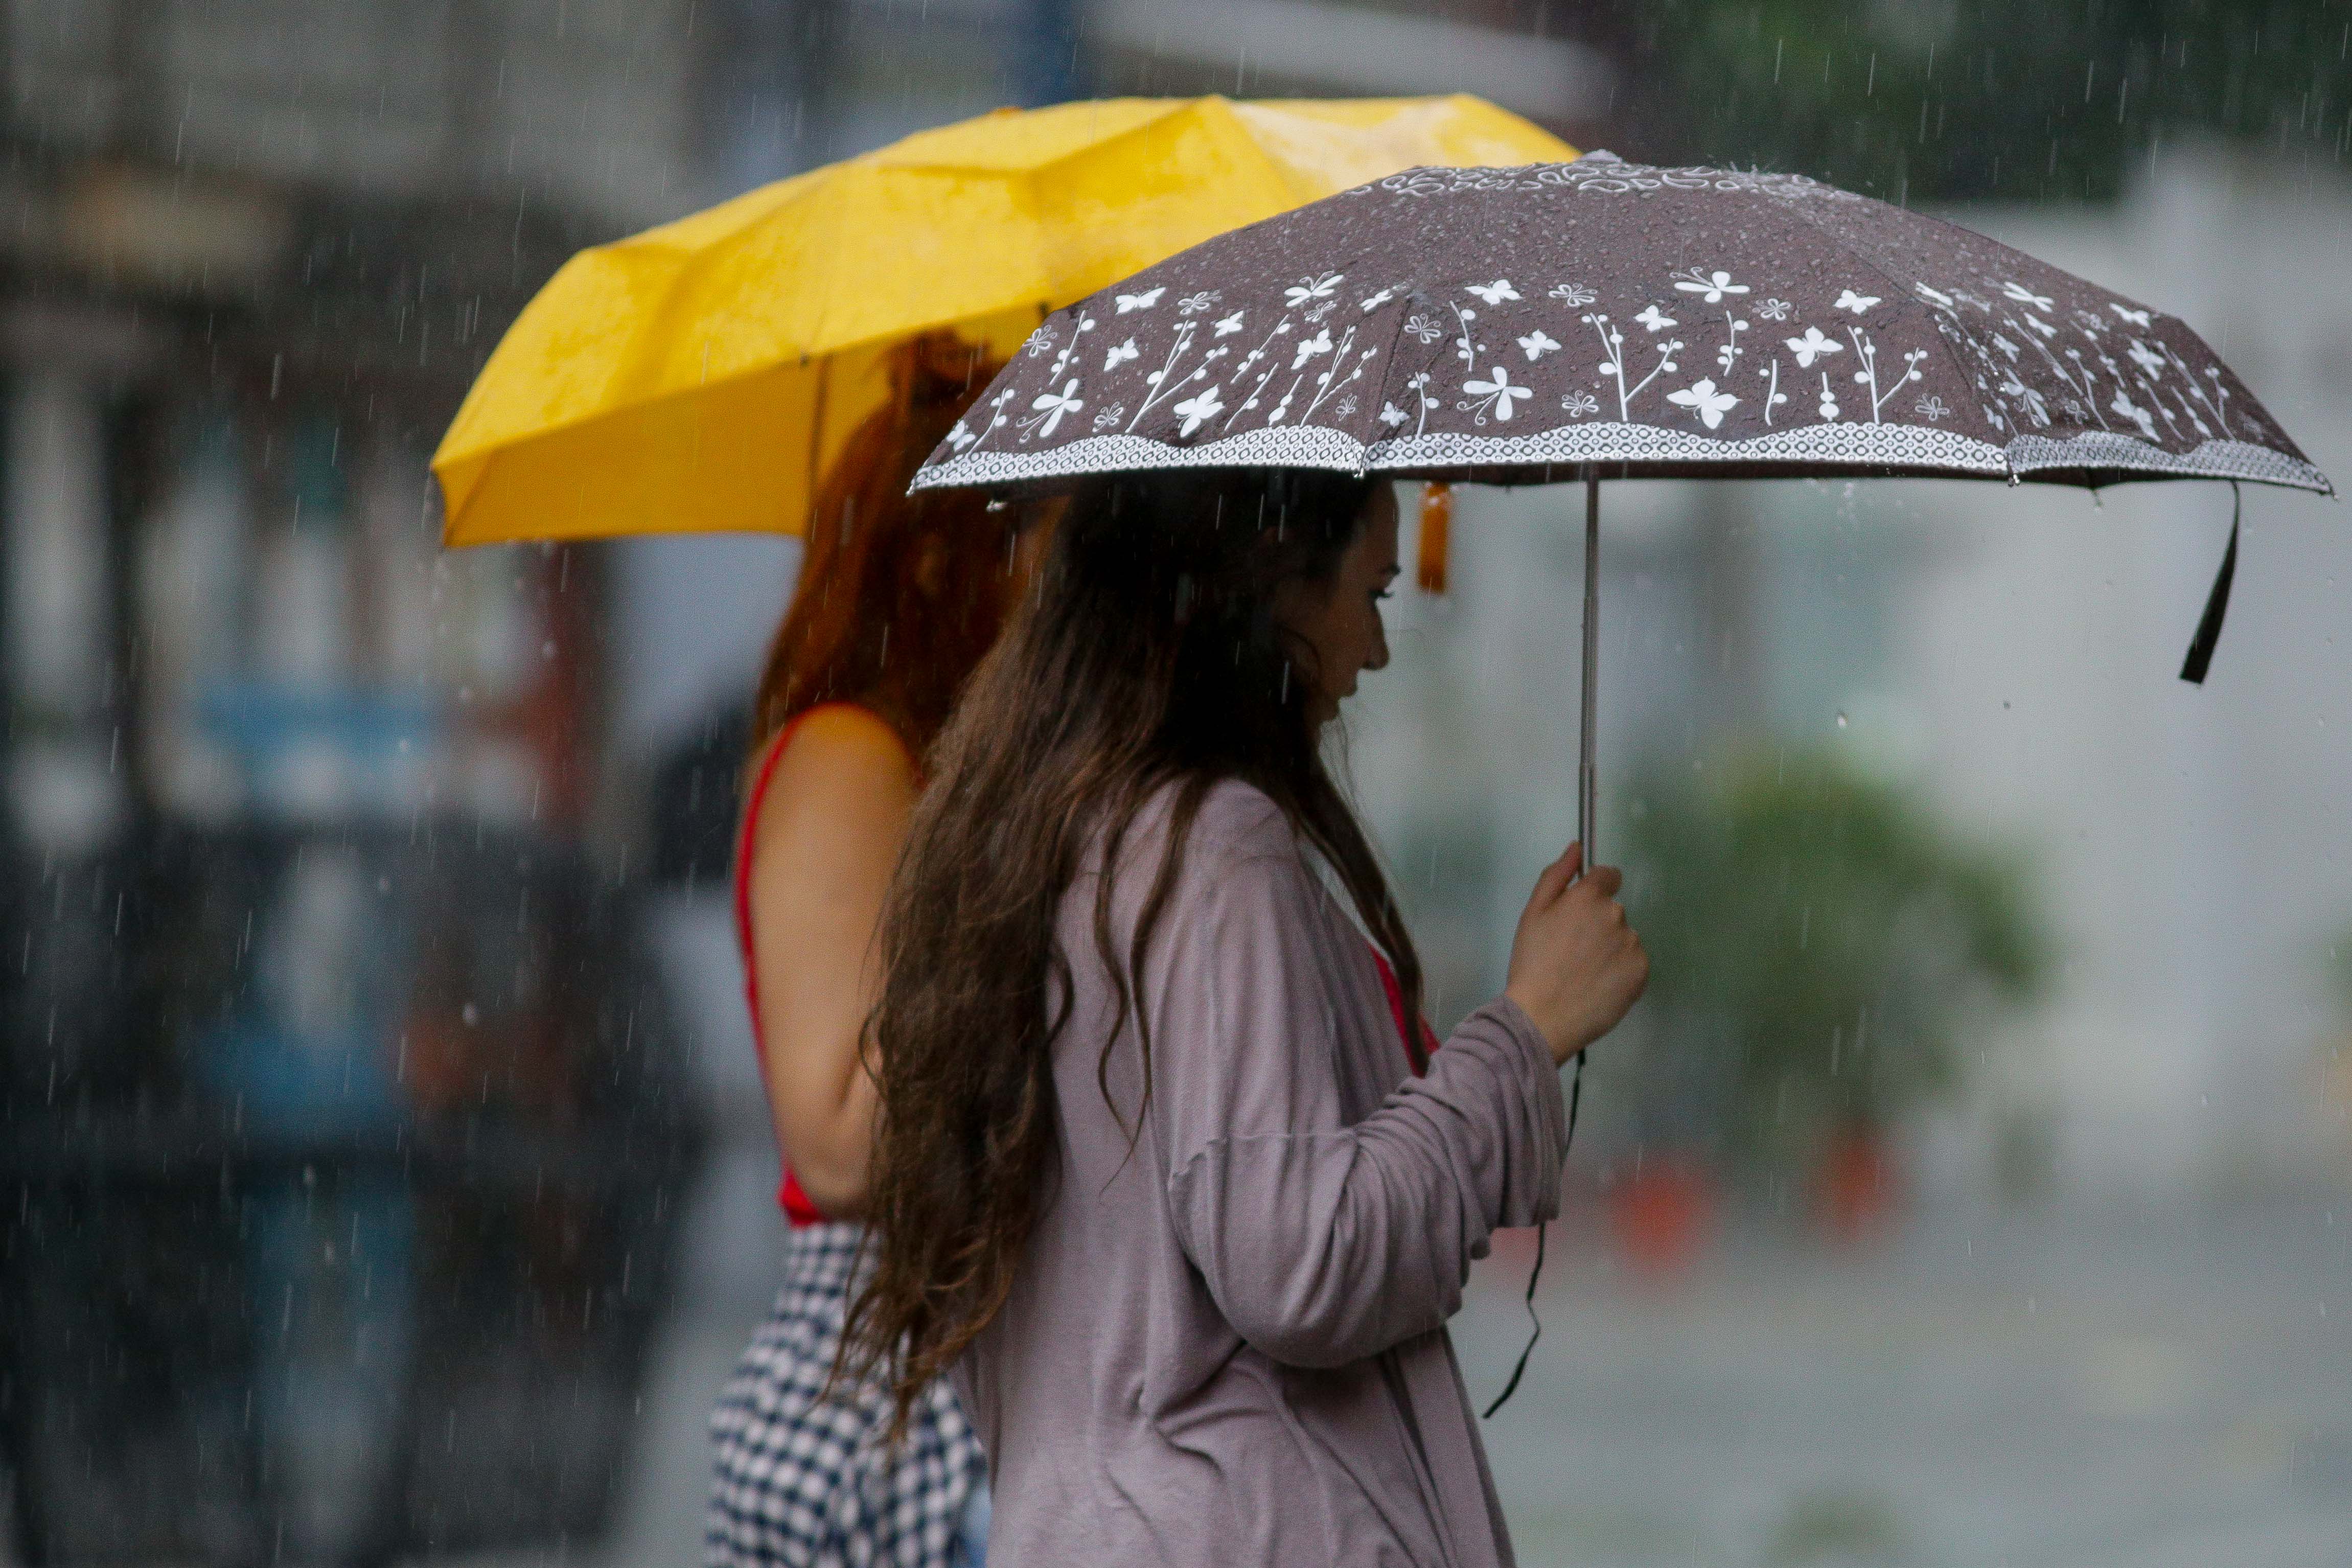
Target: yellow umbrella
{"x":699,"y":376}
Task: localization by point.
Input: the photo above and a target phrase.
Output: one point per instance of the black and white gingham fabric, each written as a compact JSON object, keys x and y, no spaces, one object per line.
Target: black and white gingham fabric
{"x":811,"y":1483}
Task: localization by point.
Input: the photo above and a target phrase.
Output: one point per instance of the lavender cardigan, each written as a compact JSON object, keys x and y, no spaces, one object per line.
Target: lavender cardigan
{"x":1227,"y":1346}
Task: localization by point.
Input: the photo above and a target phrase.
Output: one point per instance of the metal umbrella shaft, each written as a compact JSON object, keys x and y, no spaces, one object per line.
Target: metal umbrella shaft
{"x":1588,"y":807}
{"x":1588,"y":791}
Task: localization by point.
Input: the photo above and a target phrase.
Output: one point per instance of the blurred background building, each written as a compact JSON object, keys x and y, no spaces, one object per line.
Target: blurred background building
{"x":384,"y":1173}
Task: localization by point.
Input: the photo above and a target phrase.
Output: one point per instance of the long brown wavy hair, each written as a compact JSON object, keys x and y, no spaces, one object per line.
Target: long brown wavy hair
{"x":898,"y":595}
{"x":1146,"y":655}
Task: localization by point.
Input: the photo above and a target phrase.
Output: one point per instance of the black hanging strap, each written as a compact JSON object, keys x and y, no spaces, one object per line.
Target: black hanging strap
{"x":2217,"y":603}
{"x":1535,"y":1332}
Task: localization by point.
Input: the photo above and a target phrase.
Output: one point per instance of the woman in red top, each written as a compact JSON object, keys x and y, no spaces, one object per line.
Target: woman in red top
{"x":898,"y":599}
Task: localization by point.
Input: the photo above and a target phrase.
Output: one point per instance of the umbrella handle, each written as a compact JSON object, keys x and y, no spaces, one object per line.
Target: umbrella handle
{"x":1588,"y":794}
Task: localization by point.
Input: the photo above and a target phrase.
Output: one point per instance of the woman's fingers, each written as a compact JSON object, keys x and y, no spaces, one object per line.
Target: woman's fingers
{"x":1576,"y":964}
{"x":1554,"y":880}
{"x":1604,"y":882}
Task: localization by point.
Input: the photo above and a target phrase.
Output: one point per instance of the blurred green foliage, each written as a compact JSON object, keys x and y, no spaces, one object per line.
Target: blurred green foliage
{"x":1819,"y":940}
{"x":1974,"y":99}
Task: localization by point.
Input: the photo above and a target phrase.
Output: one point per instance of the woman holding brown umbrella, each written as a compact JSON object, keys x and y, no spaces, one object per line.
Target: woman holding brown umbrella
{"x":1165,"y":1178}
{"x":897,"y":601}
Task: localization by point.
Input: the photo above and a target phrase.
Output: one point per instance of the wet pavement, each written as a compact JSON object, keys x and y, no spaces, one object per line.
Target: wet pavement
{"x":2072,"y":1387}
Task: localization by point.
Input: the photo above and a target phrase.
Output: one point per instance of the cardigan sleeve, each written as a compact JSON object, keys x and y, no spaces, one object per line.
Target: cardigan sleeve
{"x":1323,"y":1242}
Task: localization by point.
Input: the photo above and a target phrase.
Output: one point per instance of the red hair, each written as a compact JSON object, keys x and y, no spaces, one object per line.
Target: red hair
{"x":898,"y":595}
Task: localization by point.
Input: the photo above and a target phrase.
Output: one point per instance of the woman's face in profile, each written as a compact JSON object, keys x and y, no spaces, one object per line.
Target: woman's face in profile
{"x":1341,"y":620}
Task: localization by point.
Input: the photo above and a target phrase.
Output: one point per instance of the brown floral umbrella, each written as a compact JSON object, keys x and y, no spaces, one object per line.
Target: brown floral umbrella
{"x":1605,"y":318}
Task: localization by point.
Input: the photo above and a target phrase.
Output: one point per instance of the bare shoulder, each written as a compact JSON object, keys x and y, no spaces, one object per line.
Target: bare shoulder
{"x":844,"y":771}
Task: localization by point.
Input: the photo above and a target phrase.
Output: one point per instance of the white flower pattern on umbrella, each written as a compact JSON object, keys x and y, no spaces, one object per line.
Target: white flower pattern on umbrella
{"x":1496,"y":395}
{"x":2124,"y":405}
{"x":2065,"y":361}
{"x":1419,"y":385}
{"x":1710,"y":287}
{"x":1315,"y":288}
{"x":1812,"y":346}
{"x":2036,"y":407}
{"x":1702,"y":399}
{"x":1197,"y":410}
{"x":1050,"y":406}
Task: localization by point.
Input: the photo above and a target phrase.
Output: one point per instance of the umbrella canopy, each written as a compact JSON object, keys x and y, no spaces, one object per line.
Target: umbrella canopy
{"x":700,"y":376}
{"x":1600,"y":318}
{"x":1515,"y":325}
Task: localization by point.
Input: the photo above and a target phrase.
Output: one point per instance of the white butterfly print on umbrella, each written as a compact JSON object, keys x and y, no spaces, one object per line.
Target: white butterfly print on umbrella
{"x":1812,"y":345}
{"x":1198,"y":410}
{"x":1710,"y":287}
{"x":1702,"y":398}
{"x":1048,"y":408}
{"x":1308,"y":288}
{"x":1494,"y":396}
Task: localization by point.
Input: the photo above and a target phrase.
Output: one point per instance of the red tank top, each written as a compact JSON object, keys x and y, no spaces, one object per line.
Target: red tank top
{"x":1396,"y":1011}
{"x":790,"y":1196}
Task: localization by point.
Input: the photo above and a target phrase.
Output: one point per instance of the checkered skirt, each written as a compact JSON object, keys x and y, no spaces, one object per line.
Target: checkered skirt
{"x":810,"y":1482}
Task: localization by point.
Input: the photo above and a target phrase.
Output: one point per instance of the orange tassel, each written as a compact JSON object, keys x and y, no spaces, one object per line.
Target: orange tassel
{"x":1437,"y":524}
